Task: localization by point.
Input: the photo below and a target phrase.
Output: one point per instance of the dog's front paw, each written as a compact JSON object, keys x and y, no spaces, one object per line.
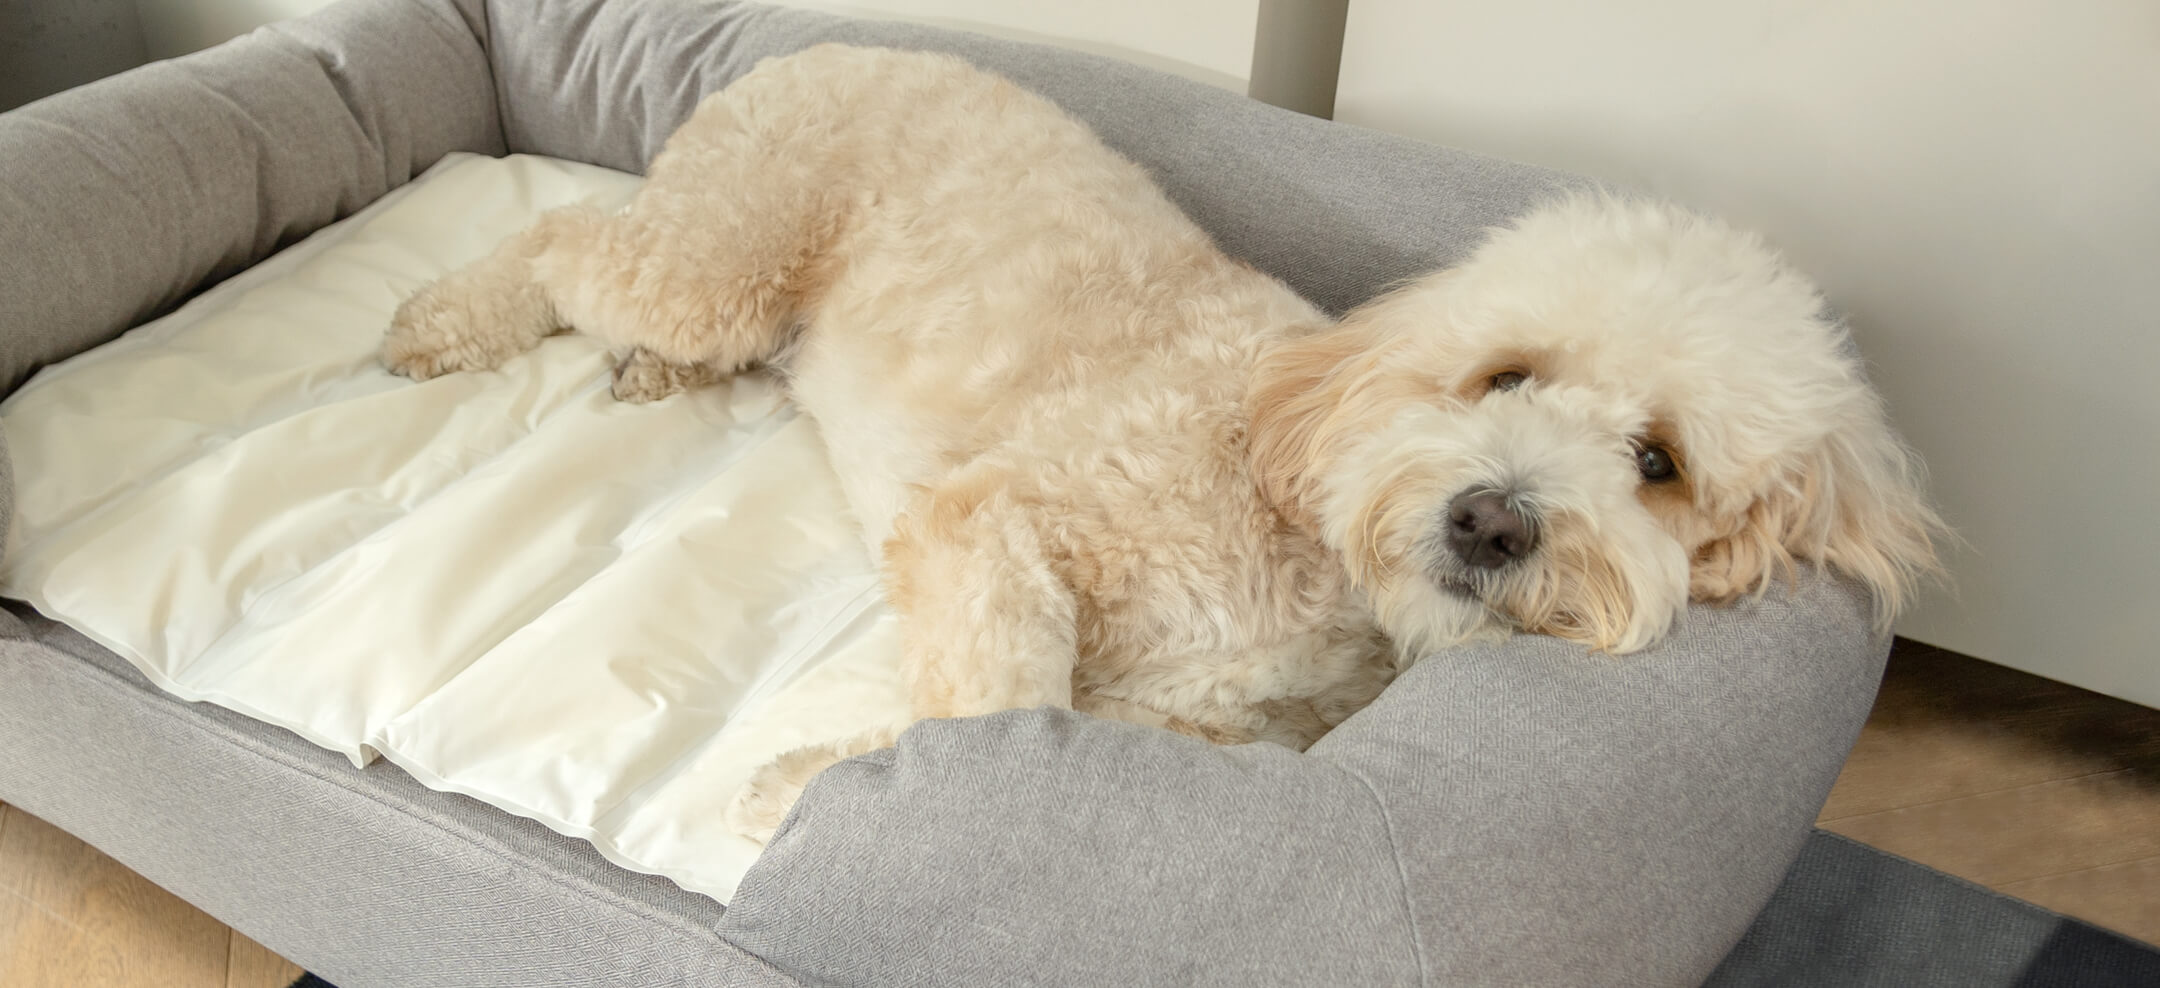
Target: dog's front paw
{"x":764,"y":801}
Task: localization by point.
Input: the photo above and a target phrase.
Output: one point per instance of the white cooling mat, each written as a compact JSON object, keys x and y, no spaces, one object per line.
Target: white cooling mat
{"x":601,"y":616}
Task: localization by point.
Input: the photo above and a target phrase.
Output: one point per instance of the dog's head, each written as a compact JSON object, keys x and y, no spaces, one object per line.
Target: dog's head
{"x":1611,"y":408}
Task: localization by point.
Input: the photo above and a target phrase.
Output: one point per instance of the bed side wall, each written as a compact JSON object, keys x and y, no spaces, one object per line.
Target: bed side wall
{"x":120,"y":199}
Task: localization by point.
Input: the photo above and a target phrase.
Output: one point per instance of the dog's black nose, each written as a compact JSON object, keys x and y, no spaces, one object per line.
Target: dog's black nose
{"x":1485,"y":532}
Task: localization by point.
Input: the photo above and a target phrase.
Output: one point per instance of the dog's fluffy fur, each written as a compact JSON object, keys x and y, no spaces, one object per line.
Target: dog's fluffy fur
{"x":1107,"y":466}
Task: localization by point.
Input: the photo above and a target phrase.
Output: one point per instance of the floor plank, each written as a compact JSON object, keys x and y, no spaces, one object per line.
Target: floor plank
{"x":253,"y":965}
{"x":2015,"y":835}
{"x":2039,"y":789}
{"x":70,"y":916}
{"x":1946,"y":725}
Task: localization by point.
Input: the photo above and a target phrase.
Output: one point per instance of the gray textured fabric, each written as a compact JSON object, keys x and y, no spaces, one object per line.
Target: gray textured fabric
{"x":125,"y":196}
{"x":49,"y":45}
{"x":372,"y":880}
{"x":1864,"y":917}
{"x":1695,"y":772}
{"x":1514,"y":813}
{"x":1851,"y":915}
{"x":7,"y":483}
{"x":362,"y":876}
{"x":1049,"y":848}
{"x":1336,"y":212}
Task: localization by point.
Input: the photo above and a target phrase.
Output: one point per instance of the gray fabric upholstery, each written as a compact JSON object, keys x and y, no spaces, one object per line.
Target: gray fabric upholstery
{"x":1337,"y":212}
{"x":124,"y":197}
{"x":362,"y":876}
{"x":49,"y":45}
{"x":372,"y":880}
{"x":1510,"y":813}
{"x":1861,"y":909}
{"x":1515,"y":813}
{"x":1850,"y":915}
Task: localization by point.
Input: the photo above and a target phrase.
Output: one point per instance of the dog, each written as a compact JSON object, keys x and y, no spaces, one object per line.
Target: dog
{"x":1106,"y":466}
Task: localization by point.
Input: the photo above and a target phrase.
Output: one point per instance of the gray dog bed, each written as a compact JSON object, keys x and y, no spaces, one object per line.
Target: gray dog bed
{"x":1507,"y":813}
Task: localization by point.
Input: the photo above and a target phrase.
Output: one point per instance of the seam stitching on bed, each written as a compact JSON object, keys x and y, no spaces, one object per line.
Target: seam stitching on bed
{"x":1402,"y":875}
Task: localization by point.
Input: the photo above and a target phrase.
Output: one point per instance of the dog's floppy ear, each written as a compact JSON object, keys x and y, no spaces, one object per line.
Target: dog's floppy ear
{"x":1856,"y":503}
{"x":1305,"y":393}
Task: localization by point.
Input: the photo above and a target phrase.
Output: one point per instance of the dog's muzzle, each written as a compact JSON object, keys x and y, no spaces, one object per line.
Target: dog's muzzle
{"x":1484,"y":532}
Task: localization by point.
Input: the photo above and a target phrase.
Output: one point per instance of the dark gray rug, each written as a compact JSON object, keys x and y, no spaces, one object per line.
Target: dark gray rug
{"x":1849,"y":914}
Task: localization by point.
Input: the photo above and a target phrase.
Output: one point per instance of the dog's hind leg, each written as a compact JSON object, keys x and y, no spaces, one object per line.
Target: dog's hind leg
{"x":667,"y":284}
{"x":674,"y":283}
{"x":741,"y":222}
{"x":731,"y":240}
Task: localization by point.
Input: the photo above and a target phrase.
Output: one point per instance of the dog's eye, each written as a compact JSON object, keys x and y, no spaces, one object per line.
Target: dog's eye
{"x":1507,"y":380}
{"x":1655,"y":462}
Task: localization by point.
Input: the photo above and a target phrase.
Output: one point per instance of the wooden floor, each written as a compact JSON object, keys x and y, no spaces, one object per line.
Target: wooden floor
{"x":71,"y":917}
{"x":2040,"y":790}
{"x":2035,"y":789}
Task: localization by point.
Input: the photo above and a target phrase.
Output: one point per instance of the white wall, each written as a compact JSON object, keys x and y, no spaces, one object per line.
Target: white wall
{"x":176,"y":27}
{"x":1976,"y":182}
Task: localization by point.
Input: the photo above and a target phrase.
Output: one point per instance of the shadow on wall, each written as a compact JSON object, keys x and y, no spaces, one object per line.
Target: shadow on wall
{"x":50,"y":45}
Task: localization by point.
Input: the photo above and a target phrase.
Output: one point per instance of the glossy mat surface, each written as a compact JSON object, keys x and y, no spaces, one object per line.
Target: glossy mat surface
{"x":598,"y":615}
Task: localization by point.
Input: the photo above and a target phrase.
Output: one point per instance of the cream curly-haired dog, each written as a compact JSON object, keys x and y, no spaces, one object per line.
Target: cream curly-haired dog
{"x":1107,"y":466}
